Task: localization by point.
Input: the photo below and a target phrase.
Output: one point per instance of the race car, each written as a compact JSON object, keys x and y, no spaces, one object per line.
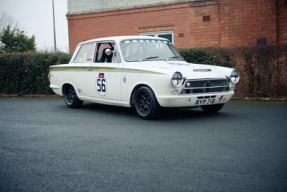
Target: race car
{"x":143,"y":72}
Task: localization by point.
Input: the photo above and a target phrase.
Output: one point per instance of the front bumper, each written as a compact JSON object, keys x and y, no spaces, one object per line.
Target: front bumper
{"x":194,"y":100}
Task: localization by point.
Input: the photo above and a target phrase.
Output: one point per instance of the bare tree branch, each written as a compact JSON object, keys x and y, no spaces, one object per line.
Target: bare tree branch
{"x":5,"y":20}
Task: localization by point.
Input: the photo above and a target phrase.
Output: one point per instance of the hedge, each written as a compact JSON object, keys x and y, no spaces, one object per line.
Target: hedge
{"x":262,"y":69}
{"x":27,"y":73}
{"x":265,"y":68}
{"x":211,"y":56}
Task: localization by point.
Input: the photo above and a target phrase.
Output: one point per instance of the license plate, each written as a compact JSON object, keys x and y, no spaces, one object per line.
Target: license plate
{"x":205,"y":101}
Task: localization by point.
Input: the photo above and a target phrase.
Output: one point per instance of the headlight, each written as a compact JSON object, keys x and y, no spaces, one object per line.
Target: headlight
{"x":176,"y":79}
{"x":234,"y":77}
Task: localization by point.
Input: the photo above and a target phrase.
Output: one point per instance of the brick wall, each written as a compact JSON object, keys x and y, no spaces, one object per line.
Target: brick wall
{"x":130,"y":22}
{"x":205,"y":24}
{"x":233,"y":23}
{"x":282,"y":21}
{"x":223,"y":23}
{"x":202,"y":23}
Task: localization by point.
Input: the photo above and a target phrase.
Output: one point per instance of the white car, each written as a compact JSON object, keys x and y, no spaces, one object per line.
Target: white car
{"x":143,"y":72}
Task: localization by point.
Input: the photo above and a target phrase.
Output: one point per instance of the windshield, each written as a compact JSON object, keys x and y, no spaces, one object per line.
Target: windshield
{"x":149,"y":49}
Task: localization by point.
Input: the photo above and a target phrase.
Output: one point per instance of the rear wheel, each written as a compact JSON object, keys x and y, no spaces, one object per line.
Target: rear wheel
{"x":146,"y":104}
{"x":211,"y":108}
{"x":71,"y":98}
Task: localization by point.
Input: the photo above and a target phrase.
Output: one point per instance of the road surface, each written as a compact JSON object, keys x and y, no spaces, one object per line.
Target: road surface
{"x":46,"y":146}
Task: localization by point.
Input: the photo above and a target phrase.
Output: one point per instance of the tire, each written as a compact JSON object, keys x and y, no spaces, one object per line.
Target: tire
{"x":71,"y":98}
{"x":146,"y":105}
{"x":212,"y":108}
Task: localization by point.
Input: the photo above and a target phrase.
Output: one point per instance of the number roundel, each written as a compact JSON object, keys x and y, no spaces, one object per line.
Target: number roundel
{"x":101,"y":84}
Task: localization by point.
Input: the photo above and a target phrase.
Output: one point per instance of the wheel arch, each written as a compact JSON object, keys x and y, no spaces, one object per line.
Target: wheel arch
{"x":67,"y":84}
{"x":133,"y":94}
{"x":70,"y":96}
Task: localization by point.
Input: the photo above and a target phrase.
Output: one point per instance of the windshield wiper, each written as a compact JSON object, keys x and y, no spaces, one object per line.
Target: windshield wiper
{"x":152,"y":57}
{"x":174,"y":57}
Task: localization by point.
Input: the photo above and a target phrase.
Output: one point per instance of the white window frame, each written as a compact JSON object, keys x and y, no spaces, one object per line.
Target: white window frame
{"x":157,"y":33}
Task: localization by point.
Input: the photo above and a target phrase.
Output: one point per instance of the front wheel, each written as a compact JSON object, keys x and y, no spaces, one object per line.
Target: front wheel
{"x":71,"y":98}
{"x":211,"y":108}
{"x":146,"y":104}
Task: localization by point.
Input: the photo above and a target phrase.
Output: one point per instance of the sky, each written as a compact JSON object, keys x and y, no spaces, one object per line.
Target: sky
{"x":35,"y":17}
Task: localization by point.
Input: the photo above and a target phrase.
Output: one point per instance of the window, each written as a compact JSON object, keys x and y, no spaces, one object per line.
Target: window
{"x":164,"y":34}
{"x":148,"y":49}
{"x":104,"y":52}
{"x":86,"y":53}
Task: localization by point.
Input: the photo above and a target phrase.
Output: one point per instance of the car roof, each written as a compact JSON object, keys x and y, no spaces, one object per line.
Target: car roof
{"x":120,"y":38}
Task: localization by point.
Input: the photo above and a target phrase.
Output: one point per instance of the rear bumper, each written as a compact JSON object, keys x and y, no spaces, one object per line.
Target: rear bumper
{"x":56,"y":89}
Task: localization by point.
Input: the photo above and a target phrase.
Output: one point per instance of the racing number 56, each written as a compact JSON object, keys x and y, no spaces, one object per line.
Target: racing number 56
{"x":101,"y":86}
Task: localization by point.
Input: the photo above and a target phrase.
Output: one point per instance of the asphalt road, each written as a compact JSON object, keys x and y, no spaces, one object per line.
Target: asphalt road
{"x":46,"y":146}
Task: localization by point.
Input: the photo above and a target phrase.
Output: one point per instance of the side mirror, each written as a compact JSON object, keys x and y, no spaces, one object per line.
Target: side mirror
{"x":108,"y":52}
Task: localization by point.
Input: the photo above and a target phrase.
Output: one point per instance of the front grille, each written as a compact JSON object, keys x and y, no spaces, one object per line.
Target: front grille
{"x":205,"y":86}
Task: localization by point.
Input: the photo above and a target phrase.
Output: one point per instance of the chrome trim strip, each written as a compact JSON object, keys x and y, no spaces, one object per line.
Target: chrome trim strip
{"x":206,"y":87}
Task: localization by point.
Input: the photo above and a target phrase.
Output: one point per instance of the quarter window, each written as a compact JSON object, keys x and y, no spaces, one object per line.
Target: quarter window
{"x":86,"y":53}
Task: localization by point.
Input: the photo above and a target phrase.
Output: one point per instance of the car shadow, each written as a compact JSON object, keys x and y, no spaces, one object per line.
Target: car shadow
{"x":188,"y":114}
{"x":166,"y":114}
{"x":109,"y":109}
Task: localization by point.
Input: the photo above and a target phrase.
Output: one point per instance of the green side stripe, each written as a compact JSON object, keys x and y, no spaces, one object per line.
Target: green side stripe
{"x":139,"y":71}
{"x":102,"y":69}
{"x":67,"y":68}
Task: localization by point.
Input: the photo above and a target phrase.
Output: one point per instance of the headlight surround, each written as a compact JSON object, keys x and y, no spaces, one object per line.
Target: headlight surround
{"x":234,"y":77}
{"x":176,"y":79}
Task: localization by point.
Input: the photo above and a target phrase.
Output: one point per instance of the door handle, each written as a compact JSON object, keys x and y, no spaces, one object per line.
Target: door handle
{"x":90,"y":69}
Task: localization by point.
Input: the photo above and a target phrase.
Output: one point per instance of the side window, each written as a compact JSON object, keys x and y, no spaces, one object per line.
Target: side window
{"x":105,"y":52}
{"x":85,"y":53}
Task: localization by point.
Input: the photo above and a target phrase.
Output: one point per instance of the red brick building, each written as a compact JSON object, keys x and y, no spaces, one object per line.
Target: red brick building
{"x":188,"y":23}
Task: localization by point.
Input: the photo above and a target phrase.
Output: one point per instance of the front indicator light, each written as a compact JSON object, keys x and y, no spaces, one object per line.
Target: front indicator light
{"x":175,"y":91}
